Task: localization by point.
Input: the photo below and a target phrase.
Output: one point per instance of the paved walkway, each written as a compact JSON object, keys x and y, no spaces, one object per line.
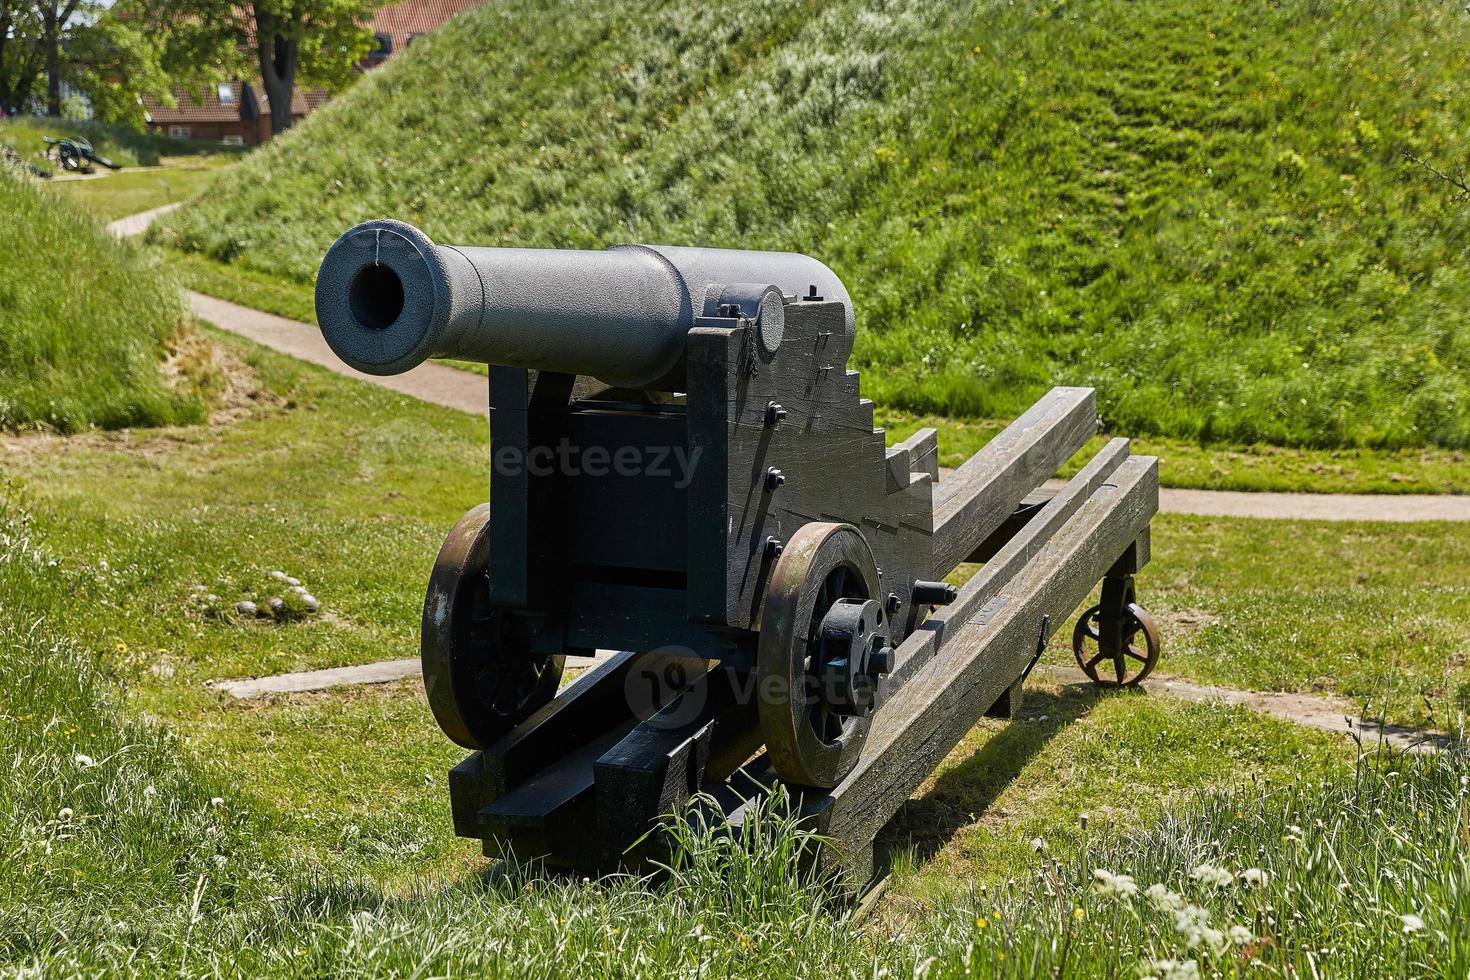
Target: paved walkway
{"x":454,"y":388}
{"x":136,"y":224}
{"x":465,"y":391}
{"x":435,"y":383}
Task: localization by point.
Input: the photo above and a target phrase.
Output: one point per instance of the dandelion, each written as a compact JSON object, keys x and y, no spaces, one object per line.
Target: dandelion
{"x":1192,"y":923}
{"x":1254,"y":877}
{"x":85,"y":761}
{"x":1412,"y":923}
{"x":981,"y":922}
{"x":1163,"y":899}
{"x":64,"y":814}
{"x":1174,"y":969}
{"x":1079,"y":913}
{"x":1113,"y":885}
{"x":217,"y":801}
{"x":1038,"y":845}
{"x":121,"y":647}
{"x":1239,"y":935}
{"x":1211,"y":876}
{"x":149,"y":792}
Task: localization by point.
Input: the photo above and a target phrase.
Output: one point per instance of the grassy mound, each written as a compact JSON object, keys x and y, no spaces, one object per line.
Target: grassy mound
{"x":1200,"y":208}
{"x":85,"y":323}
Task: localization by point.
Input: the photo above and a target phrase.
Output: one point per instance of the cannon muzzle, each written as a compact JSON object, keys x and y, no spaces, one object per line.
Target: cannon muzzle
{"x":387,"y":298}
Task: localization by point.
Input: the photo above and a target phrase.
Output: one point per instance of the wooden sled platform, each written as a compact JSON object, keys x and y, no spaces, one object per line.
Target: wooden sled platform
{"x":582,"y":781}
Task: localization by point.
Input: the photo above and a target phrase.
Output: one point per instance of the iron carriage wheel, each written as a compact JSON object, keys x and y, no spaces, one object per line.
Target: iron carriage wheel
{"x":823,"y":644}
{"x":1115,"y":629}
{"x":480,"y":675}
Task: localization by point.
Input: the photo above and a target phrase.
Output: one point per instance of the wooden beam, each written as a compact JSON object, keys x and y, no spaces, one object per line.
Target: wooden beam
{"x":922,"y":644}
{"x":977,"y":498}
{"x":929,"y":715}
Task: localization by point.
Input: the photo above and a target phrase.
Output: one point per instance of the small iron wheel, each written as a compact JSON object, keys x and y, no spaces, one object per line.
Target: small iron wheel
{"x":1115,"y":642}
{"x":480,"y":675}
{"x":823,"y":644}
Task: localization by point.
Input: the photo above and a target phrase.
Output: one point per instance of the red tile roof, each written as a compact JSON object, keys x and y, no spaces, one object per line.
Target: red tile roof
{"x":189,"y":110}
{"x":417,"y":17}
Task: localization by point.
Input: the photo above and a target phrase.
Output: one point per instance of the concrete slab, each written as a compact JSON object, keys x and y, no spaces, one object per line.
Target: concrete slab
{"x":382,"y":672}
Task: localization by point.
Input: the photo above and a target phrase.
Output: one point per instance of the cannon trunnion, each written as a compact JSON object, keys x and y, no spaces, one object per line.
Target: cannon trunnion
{"x":684,"y":469}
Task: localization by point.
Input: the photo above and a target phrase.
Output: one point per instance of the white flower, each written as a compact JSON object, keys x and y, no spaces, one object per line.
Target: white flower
{"x":1239,"y":935}
{"x":149,"y":792}
{"x":1412,"y":923}
{"x":1121,"y":886}
{"x":217,"y":801}
{"x":85,"y":761}
{"x":1175,"y":969}
{"x":1163,"y":899}
{"x":1038,"y":845}
{"x":1192,"y":922}
{"x":1255,"y":877}
{"x":1211,"y":876}
{"x":64,"y":813}
{"x":1292,"y":828}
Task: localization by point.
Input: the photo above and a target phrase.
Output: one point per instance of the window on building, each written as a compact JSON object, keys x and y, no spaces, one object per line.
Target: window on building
{"x":226,"y":93}
{"x":232,"y":139}
{"x":382,"y":46}
{"x":179,"y":132}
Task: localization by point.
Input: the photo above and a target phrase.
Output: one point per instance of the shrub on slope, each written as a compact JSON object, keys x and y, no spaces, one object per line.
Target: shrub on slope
{"x":84,"y":321}
{"x":1200,"y":208}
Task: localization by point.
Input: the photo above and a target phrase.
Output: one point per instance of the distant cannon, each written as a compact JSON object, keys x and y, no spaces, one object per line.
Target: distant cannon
{"x":773,"y":572}
{"x":77,"y":155}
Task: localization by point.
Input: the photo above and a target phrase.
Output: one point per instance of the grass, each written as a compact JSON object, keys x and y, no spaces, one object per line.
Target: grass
{"x":128,"y":147}
{"x":87,"y":324}
{"x":329,"y":850}
{"x":117,"y":195}
{"x":1183,"y":463}
{"x":1200,"y":209}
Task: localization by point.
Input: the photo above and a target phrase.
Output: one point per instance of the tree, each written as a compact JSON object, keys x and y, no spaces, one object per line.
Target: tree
{"x":30,"y":43}
{"x":311,"y":43}
{"x":111,"y":56}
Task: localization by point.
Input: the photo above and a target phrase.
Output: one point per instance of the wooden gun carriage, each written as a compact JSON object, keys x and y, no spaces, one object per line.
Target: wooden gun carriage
{"x":684,"y":471}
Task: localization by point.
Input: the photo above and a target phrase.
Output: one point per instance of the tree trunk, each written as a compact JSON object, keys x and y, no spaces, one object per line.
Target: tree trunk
{"x":277,"y":71}
{"x":52,"y":41}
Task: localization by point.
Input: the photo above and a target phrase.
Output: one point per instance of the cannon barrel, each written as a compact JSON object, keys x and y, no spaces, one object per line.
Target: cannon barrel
{"x":387,"y":298}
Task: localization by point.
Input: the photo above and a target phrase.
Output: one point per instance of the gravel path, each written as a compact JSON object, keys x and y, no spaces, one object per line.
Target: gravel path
{"x":453,"y":388}
{"x":136,"y":224}
{"x":435,"y":383}
{"x":465,"y":391}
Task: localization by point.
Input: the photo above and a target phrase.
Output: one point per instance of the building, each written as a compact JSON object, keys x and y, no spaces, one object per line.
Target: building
{"x":237,"y":113}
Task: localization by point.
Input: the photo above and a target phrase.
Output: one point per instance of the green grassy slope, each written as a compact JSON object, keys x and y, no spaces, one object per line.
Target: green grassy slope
{"x":85,"y":322}
{"x":1200,"y":208}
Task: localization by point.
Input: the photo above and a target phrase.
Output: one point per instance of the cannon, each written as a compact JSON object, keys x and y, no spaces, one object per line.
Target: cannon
{"x":76,"y":154}
{"x":686,"y":484}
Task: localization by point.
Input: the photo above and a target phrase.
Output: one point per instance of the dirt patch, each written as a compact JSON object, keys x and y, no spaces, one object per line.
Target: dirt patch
{"x":229,"y":386}
{"x":1180,"y":624}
